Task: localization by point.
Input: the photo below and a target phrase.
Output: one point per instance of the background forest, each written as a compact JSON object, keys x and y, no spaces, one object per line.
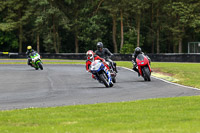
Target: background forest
{"x":75,"y":26}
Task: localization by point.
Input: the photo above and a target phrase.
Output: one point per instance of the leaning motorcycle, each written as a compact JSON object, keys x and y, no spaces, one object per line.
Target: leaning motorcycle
{"x":36,"y":61}
{"x":98,"y":69}
{"x":144,"y":67}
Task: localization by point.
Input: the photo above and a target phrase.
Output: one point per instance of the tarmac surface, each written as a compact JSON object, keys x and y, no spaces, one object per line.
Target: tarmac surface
{"x":57,"y":85}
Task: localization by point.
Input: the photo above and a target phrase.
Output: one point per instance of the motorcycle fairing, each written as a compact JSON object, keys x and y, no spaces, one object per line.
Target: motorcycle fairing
{"x":98,"y":66}
{"x":141,"y":62}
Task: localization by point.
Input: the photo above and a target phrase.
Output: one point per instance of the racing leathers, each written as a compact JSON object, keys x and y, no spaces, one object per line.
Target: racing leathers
{"x":29,"y":53}
{"x":105,"y":53}
{"x":89,"y":62}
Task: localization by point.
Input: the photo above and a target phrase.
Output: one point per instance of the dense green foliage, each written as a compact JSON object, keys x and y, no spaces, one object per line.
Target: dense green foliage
{"x":58,"y":26}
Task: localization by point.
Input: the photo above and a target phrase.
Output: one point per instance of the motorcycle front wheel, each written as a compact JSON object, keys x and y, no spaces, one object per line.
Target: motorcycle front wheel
{"x":40,"y":65}
{"x":146,"y":74}
{"x":104,"y":78}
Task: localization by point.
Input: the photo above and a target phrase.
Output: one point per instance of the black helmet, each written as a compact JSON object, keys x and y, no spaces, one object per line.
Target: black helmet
{"x":138,"y":50}
{"x":99,"y":45}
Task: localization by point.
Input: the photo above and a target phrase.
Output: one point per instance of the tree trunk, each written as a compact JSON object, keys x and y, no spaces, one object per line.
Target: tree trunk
{"x":54,"y":36}
{"x":180,"y":45}
{"x":20,"y":32}
{"x":38,"y":43}
{"x":114,"y":34}
{"x":152,"y":33}
{"x":174,"y":48}
{"x":169,"y":45}
{"x":122,"y":31}
{"x":138,"y":30}
{"x":157,"y":33}
{"x":58,"y":41}
{"x":20,"y":38}
{"x":76,"y":43}
{"x":157,"y":42}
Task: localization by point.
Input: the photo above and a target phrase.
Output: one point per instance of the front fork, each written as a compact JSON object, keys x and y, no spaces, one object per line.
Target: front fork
{"x":108,"y":74}
{"x":36,"y":63}
{"x":140,"y":70}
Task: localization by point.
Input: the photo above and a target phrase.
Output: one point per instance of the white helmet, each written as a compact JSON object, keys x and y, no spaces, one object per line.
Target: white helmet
{"x":90,"y":55}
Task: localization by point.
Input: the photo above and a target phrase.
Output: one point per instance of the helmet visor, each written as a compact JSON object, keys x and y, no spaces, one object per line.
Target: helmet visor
{"x":99,"y":47}
{"x":89,"y":55}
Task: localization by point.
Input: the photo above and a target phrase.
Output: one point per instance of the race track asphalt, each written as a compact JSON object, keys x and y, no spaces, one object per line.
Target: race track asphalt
{"x":57,"y":85}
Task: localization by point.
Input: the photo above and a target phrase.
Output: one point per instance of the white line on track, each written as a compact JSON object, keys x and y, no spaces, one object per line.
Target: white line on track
{"x":166,"y":81}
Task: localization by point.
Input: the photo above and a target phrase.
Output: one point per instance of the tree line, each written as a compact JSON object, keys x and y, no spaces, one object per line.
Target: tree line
{"x":75,"y":26}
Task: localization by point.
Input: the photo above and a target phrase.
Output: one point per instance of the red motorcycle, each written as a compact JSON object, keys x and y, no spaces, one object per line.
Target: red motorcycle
{"x":144,"y":67}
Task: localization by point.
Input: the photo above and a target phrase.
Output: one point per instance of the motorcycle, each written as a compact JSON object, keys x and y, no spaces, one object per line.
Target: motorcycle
{"x":36,"y":61}
{"x":144,"y":67}
{"x":98,"y":69}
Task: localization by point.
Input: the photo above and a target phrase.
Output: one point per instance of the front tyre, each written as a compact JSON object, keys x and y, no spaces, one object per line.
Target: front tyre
{"x":146,"y":74}
{"x":40,"y":65}
{"x":104,"y":79}
{"x":111,"y":84}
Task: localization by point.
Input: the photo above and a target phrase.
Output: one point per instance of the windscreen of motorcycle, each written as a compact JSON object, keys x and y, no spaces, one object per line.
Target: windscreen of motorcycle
{"x":140,"y":57}
{"x":36,"y":57}
{"x":95,"y":65}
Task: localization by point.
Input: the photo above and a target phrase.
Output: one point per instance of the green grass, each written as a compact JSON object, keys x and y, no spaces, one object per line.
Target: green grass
{"x":180,"y":115}
{"x":187,"y":73}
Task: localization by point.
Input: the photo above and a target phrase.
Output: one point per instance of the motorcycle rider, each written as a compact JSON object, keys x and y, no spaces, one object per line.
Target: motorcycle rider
{"x":138,"y":51}
{"x":91,"y":56}
{"x":105,"y":53}
{"x":29,"y":52}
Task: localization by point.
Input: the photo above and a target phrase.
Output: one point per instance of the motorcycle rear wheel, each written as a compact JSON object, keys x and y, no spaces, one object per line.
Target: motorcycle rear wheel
{"x":113,"y":79}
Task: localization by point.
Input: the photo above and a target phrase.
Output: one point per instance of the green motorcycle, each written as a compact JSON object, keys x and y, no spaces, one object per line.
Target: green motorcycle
{"x":36,"y":61}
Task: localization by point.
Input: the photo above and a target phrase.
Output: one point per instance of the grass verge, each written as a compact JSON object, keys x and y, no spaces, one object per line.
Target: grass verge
{"x":182,"y":73}
{"x":144,"y":116}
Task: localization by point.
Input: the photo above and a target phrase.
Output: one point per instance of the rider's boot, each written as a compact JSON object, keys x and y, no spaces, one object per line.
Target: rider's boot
{"x":115,"y":67}
{"x":116,"y":70}
{"x":136,"y":70}
{"x":138,"y":74}
{"x":94,"y":77}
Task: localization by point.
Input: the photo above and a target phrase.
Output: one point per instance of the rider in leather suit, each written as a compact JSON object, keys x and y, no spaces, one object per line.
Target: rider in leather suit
{"x":138,"y":51}
{"x":105,"y":53}
{"x":92,"y":57}
{"x":29,"y":52}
